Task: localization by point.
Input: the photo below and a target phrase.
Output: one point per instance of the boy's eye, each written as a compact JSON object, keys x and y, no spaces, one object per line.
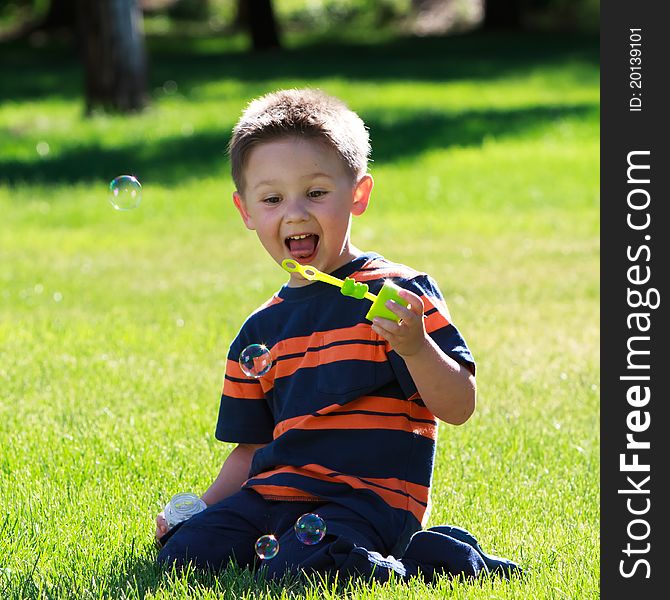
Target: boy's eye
{"x":316,"y":193}
{"x":271,"y":200}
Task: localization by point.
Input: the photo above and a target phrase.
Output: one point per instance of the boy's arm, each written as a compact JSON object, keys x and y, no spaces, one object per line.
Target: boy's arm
{"x":447,"y":388}
{"x":233,"y":473}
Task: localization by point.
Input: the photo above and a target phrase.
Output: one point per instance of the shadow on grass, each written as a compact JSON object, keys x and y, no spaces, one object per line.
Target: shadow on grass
{"x":475,"y":56}
{"x":139,"y":577}
{"x":55,"y":72}
{"x":170,"y":160}
{"x":131,"y":577}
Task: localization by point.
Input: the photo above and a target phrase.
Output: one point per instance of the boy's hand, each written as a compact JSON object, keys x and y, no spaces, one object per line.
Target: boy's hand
{"x":409,"y":336}
{"x":161,"y":526}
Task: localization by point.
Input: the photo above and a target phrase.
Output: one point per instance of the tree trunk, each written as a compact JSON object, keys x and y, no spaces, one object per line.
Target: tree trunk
{"x":503,"y":14}
{"x":258,"y":18}
{"x":112,"y":46}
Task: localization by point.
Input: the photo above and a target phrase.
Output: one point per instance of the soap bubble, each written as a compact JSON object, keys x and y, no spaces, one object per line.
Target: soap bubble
{"x":310,"y":529}
{"x":255,"y":360}
{"x":267,"y":547}
{"x":125,"y":192}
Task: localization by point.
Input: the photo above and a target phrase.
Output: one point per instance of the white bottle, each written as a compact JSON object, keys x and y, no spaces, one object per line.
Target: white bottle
{"x":182,"y":506}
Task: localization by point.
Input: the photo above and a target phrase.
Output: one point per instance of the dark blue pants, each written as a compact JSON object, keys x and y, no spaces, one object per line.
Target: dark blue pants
{"x":228,"y":531}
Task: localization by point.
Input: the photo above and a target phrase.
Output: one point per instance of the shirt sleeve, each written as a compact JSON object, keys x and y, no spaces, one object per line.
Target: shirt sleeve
{"x":438,"y":325}
{"x":244,"y":414}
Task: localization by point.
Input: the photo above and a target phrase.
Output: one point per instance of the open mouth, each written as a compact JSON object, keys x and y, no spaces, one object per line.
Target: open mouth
{"x":302,"y":247}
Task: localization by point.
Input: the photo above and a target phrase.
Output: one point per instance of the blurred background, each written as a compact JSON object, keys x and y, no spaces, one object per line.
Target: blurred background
{"x":109,"y":36}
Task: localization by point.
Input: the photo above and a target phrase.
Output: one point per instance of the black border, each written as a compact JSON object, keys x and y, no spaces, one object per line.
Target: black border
{"x":623,"y":131}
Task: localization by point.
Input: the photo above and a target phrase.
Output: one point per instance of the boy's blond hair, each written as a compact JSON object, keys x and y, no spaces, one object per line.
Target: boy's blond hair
{"x":307,"y":113}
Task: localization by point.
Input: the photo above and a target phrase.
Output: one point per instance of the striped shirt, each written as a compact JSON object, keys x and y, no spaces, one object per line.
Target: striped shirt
{"x":338,"y":410}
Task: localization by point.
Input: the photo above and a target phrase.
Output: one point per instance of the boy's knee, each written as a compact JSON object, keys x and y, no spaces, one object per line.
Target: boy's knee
{"x":173,"y":555}
{"x":297,"y":559}
{"x":188,"y":548}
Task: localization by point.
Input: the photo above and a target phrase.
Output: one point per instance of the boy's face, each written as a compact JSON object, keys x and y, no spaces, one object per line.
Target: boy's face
{"x":299,"y":197}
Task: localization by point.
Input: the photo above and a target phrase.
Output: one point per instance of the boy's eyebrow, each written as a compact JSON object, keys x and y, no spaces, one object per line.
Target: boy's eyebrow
{"x":264,"y":182}
{"x":317,"y":174}
{"x":273,"y":181}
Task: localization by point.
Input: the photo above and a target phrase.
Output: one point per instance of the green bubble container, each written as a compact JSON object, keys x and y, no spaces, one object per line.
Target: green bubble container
{"x":389,"y":291}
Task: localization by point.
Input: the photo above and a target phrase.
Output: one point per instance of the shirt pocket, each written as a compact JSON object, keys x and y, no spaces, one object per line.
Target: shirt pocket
{"x":349,"y":359}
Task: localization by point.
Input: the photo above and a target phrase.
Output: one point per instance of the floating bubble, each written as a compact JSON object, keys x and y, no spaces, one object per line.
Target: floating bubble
{"x":310,"y":529}
{"x":42,"y":148}
{"x":255,"y":360}
{"x":125,"y":192}
{"x":267,"y":547}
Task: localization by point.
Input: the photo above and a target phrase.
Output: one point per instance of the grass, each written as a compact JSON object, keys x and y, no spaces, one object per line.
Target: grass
{"x":114,"y":326}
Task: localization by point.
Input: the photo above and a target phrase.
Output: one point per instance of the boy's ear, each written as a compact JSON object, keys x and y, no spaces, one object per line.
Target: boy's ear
{"x":362,"y":193}
{"x":242,"y":209}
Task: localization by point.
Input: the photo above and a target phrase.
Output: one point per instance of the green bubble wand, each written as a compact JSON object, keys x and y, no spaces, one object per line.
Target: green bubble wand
{"x":354,"y":289}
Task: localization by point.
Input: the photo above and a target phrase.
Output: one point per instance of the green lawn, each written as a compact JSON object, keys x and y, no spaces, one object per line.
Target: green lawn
{"x":114,"y":326}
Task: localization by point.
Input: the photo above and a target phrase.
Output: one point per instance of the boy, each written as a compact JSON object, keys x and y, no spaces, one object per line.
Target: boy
{"x":344,"y":424}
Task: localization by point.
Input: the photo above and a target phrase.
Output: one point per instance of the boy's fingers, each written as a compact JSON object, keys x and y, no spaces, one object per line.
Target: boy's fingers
{"x":416,"y":303}
{"x":404,"y":313}
{"x":385,"y":326}
{"x":161,"y":525}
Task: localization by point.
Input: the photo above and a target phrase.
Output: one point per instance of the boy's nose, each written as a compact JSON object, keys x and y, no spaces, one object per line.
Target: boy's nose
{"x":296,"y":211}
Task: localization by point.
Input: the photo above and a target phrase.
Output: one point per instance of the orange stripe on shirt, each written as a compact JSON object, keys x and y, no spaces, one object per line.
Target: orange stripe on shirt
{"x":434,"y":321}
{"x":417,"y":491}
{"x":300,"y":344}
{"x":352,"y":351}
{"x":316,"y":349}
{"x":382,"y":403}
{"x":272,"y":492}
{"x":331,"y":417}
{"x":233,"y":369}
{"x":416,"y":504}
{"x":250,"y":390}
{"x":383,"y":273}
{"x":380,"y":269}
{"x":358,"y":421}
{"x":246,"y":387}
{"x":430,"y":302}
